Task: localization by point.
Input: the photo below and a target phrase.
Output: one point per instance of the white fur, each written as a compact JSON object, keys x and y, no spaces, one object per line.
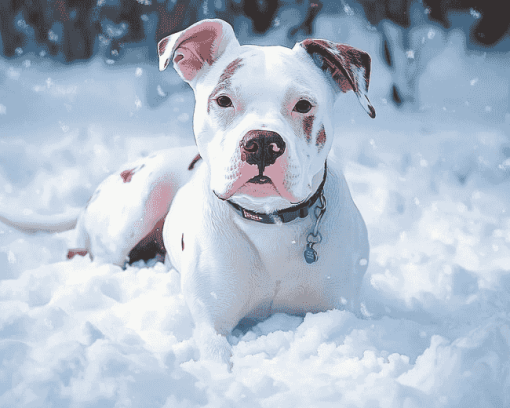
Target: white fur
{"x":231,"y":267}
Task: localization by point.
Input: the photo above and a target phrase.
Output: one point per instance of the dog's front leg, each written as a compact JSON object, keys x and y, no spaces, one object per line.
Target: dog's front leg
{"x":215,"y":311}
{"x":212,"y":345}
{"x":218,"y":297}
{"x":211,"y":331}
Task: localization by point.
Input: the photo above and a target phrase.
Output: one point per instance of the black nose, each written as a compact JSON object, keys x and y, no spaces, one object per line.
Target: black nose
{"x":261,"y":148}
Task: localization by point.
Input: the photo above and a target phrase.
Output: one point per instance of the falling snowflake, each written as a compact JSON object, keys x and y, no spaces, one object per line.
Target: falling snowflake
{"x":348,"y":10}
{"x":52,"y":36}
{"x":160,"y":91}
{"x":474,"y":13}
{"x":11,"y":257}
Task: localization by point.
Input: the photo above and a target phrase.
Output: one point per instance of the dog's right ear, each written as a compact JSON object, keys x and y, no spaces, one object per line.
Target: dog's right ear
{"x":195,"y":48}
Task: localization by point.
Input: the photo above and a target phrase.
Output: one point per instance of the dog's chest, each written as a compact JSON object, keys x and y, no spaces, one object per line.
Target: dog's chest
{"x":213,"y":247}
{"x":293,"y":285}
{"x":280,"y":246}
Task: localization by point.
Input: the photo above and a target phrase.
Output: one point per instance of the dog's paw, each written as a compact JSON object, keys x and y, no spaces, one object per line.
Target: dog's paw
{"x":213,"y":347}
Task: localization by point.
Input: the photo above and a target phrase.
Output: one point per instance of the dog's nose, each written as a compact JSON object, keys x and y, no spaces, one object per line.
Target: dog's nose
{"x":261,"y":148}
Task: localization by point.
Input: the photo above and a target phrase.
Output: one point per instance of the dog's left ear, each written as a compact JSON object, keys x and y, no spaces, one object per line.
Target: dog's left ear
{"x":196,"y":48}
{"x":348,"y":66}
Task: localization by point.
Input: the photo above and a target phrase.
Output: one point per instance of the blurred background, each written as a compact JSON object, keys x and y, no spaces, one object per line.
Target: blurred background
{"x":71,"y":31}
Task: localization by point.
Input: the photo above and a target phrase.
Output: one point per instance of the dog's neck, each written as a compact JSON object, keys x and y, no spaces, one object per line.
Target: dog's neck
{"x":286,"y":214}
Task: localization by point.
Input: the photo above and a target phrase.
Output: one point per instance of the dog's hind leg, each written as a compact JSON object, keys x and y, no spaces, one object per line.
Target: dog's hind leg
{"x":81,"y":241}
{"x":124,"y":218}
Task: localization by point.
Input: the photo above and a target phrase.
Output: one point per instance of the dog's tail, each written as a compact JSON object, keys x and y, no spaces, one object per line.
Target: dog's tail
{"x":37,"y":222}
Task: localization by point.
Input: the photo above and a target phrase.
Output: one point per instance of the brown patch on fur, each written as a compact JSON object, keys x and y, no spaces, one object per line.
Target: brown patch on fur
{"x":224,"y":81}
{"x":182,"y":241}
{"x":320,"y":141}
{"x":338,"y":60}
{"x":230,"y":70}
{"x":127,"y":175}
{"x":77,"y":251}
{"x":348,"y":67}
{"x":194,"y":161}
{"x":308,"y":126}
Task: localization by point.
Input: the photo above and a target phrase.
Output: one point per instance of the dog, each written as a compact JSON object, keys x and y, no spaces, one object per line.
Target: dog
{"x":257,"y":217}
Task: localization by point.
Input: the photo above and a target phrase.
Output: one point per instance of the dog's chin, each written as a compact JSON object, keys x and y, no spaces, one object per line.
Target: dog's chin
{"x":260,"y":194}
{"x":259,"y":186}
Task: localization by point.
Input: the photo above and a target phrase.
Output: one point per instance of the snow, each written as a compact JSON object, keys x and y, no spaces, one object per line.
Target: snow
{"x":432,"y":183}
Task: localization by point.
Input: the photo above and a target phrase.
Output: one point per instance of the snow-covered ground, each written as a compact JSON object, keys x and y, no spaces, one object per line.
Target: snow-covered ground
{"x":431,"y":182}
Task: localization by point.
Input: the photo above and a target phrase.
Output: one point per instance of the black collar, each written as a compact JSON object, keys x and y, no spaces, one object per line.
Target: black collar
{"x":285,"y":215}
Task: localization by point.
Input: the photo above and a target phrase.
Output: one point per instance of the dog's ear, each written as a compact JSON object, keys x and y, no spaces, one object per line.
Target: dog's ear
{"x":348,"y":66}
{"x":191,"y":49}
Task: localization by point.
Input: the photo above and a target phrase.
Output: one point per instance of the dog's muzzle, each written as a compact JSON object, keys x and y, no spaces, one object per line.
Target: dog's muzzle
{"x":261,"y":148}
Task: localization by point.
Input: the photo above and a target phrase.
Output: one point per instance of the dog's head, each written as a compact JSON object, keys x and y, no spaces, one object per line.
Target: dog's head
{"x":263,"y":115}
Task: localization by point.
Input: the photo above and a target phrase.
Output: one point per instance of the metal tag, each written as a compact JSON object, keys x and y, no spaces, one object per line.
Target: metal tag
{"x":310,"y":255}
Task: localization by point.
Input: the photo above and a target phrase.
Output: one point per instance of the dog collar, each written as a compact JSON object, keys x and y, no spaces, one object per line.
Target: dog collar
{"x":282,"y":216}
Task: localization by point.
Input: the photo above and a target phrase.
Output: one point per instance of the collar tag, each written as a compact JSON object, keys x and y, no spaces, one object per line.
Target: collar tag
{"x":250,"y":215}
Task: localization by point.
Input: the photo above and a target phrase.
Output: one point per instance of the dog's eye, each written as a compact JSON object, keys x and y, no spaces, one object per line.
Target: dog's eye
{"x":303,"y":106}
{"x":224,"y":101}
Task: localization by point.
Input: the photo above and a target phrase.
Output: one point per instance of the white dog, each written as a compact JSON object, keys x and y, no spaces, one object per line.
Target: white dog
{"x":260,"y":222}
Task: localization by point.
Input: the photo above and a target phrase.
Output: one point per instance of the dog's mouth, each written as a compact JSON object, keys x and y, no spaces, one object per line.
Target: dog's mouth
{"x":247,"y":180}
{"x":260,"y":180}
